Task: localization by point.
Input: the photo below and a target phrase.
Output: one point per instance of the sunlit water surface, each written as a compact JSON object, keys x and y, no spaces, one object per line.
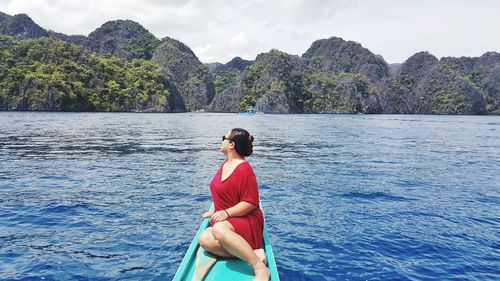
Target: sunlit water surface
{"x":111,"y":196}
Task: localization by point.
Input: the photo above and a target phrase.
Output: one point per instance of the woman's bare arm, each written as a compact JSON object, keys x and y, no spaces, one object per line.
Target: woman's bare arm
{"x":241,"y":209}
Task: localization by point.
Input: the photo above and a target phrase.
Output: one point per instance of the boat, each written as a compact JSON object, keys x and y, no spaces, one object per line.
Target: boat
{"x":225,"y":268}
{"x":251,"y":111}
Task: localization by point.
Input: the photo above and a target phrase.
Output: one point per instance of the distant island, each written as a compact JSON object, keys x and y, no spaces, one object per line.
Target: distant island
{"x":122,"y":67}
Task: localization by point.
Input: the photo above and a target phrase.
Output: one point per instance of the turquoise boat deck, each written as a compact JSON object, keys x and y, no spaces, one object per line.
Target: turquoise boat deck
{"x":224,"y":269}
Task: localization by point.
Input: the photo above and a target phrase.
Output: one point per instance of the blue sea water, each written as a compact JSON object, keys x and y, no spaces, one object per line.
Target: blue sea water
{"x":117,"y":196}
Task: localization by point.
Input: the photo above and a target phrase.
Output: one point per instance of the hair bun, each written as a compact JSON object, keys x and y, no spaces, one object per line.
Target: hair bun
{"x":242,"y":141}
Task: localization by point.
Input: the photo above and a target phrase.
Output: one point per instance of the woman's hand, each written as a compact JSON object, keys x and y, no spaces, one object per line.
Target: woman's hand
{"x":207,"y":214}
{"x":219,"y":216}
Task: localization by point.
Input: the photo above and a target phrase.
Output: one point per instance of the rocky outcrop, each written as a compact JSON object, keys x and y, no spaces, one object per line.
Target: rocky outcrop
{"x":188,"y":81}
{"x":394,"y":69}
{"x":418,"y":65}
{"x":332,"y":76}
{"x":228,"y":100}
{"x":74,"y":39}
{"x":263,"y":84}
{"x":426,"y":85}
{"x":281,"y":83}
{"x":20,"y":26}
{"x":60,"y":76}
{"x":343,"y":93}
{"x":444,"y":91}
{"x":334,"y":55}
{"x":189,"y":76}
{"x":486,"y":75}
{"x":123,"y":38}
{"x":227,"y":80}
{"x":275,"y":83}
{"x":236,"y":63}
{"x":398,"y":93}
{"x":477,"y":75}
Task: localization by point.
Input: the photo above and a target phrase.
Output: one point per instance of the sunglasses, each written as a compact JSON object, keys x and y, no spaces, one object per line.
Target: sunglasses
{"x":226,"y":138}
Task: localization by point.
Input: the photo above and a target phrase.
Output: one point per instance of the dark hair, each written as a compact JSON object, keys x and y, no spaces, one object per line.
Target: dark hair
{"x":242,"y":141}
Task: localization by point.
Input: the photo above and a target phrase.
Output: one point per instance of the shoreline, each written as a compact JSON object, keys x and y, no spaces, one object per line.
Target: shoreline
{"x":210,"y":112}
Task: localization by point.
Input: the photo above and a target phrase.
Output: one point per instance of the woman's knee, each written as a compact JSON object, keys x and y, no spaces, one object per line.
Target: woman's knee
{"x":219,"y":231}
{"x":205,"y":239}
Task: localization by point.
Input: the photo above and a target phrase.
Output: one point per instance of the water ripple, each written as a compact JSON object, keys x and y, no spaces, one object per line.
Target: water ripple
{"x":117,"y":196}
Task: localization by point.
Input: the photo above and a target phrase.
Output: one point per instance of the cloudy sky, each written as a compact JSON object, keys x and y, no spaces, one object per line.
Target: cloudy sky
{"x":218,"y":30}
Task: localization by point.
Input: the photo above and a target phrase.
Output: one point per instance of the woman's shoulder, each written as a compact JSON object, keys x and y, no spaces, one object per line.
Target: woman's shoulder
{"x":245,"y":167}
{"x":245,"y":164}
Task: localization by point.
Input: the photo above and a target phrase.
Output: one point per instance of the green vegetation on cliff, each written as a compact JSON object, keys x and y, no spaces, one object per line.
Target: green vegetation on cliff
{"x":49,"y":74}
{"x":225,"y":80}
{"x":20,"y":26}
{"x":343,"y":93}
{"x":449,"y":102}
{"x":121,"y":66}
{"x":188,"y":75}
{"x":123,"y":38}
{"x":282,"y":83}
{"x":250,"y":78}
{"x":276,"y":83}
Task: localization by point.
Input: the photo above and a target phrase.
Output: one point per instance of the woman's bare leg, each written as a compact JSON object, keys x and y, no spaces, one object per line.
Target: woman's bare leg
{"x":207,"y":254}
{"x":233,"y":243}
{"x":204,"y":262}
{"x":208,"y":242}
{"x":261,"y":254}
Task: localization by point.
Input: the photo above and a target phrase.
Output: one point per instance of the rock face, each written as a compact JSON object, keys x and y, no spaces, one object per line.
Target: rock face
{"x":227,"y":81}
{"x":237,"y":63}
{"x":343,"y":93}
{"x":228,"y":100}
{"x":332,"y":76}
{"x":486,"y":74}
{"x":75,"y":39}
{"x":50,"y":74}
{"x":20,"y":26}
{"x":4,"y":22}
{"x":281,"y":83}
{"x":276,"y":82}
{"x":334,"y":55}
{"x":190,"y":78}
{"x":123,"y":38}
{"x":394,"y":69}
{"x":335,"y":76}
{"x":426,"y":85}
{"x":189,"y":84}
{"x":444,"y":91}
{"x":418,"y":65}
{"x":398,"y":93}
{"x":482,"y":75}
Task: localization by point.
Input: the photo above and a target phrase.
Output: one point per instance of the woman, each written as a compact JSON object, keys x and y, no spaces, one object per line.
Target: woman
{"x":236,"y":221}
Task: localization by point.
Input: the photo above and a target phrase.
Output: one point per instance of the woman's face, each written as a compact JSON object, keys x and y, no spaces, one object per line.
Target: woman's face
{"x":226,"y":144}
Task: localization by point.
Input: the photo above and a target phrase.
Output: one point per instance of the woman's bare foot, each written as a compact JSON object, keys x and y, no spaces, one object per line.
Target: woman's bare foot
{"x":262,"y":274}
{"x":261,"y":255}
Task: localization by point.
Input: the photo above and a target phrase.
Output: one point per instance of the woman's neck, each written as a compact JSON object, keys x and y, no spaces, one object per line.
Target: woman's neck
{"x":232,"y":156}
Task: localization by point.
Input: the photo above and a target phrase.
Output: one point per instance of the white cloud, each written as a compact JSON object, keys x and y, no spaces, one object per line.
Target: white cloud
{"x":204,"y":53}
{"x":217,"y":30}
{"x":239,"y":41}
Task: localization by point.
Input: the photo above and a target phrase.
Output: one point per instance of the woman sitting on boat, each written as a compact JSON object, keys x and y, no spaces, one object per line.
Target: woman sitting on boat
{"x":236,"y":220}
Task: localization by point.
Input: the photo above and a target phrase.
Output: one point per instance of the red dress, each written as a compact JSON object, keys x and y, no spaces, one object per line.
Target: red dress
{"x":241,"y":185}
